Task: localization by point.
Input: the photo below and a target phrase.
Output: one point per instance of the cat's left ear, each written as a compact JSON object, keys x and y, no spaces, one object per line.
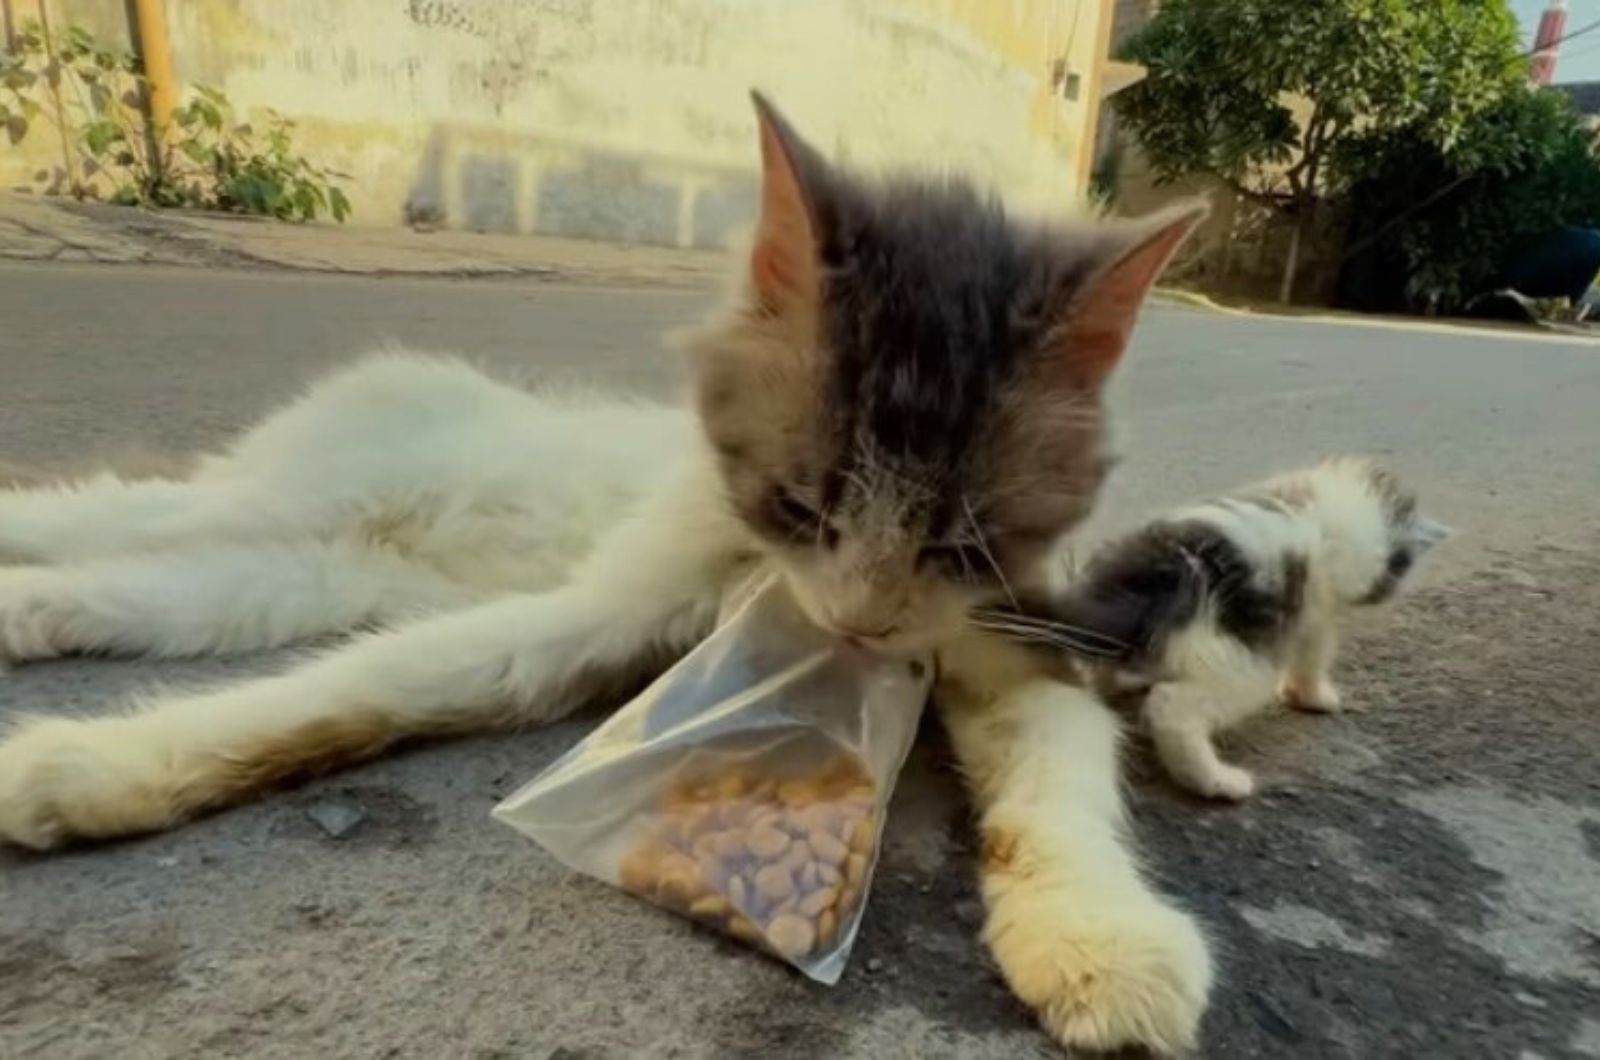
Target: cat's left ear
{"x":1103,"y":313}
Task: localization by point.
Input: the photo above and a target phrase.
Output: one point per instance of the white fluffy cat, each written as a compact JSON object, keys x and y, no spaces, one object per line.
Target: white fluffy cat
{"x":901,"y":410}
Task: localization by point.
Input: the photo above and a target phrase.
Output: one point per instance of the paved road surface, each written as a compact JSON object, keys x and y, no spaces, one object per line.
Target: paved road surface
{"x":1421,"y":878}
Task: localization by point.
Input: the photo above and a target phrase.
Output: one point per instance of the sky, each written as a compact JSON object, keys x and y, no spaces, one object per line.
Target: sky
{"x":1580,"y":57}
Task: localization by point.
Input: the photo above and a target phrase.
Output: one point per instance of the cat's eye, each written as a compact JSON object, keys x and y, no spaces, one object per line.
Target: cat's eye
{"x":798,"y":520}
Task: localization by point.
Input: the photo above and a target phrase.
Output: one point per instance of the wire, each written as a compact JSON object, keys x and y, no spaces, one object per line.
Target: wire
{"x":1580,"y":31}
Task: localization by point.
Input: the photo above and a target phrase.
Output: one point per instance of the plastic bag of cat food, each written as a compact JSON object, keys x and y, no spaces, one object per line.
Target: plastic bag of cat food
{"x":746,"y":787}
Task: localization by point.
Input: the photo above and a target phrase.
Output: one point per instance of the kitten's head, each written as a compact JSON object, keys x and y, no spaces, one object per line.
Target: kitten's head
{"x":905,"y":399}
{"x":1374,"y":532}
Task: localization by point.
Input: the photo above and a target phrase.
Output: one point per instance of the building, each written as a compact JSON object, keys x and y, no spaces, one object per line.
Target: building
{"x":1547,"y":43}
{"x":629,"y":119}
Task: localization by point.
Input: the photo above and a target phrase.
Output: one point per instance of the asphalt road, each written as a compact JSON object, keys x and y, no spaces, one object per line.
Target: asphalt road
{"x":1420,"y":878}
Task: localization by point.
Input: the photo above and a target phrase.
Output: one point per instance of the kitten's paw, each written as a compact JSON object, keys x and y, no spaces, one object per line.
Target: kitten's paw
{"x":62,"y":779}
{"x":1104,"y":978}
{"x":1321,"y":696}
{"x":1223,"y":782}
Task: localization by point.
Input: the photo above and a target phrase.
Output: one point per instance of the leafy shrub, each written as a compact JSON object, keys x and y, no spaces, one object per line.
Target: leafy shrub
{"x":204,"y":158}
{"x":1434,"y":229}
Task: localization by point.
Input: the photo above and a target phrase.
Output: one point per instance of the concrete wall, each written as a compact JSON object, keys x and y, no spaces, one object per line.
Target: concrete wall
{"x":37,"y":161}
{"x":628,"y":119}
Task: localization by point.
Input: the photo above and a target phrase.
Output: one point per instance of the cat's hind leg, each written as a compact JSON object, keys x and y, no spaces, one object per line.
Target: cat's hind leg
{"x":212,"y":599}
{"x":646,"y":594}
{"x":106,"y":515}
{"x":1080,"y":936}
{"x":1217,"y":682}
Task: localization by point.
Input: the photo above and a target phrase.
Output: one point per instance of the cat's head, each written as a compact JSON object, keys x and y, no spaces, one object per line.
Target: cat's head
{"x":1374,"y":530}
{"x":904,"y":400}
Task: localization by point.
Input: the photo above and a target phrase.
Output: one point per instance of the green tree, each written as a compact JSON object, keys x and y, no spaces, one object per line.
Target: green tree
{"x":1279,"y":99}
{"x":1435,"y":227}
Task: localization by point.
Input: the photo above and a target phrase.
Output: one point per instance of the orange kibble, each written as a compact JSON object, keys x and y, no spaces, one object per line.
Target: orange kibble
{"x":827,"y":927}
{"x":774,"y":883}
{"x":829,"y":851}
{"x":861,"y":836}
{"x":742,"y":929}
{"x":797,"y":857}
{"x":797,"y":793}
{"x":641,"y":869}
{"x":711,"y":907}
{"x":814,"y":905}
{"x":791,"y":935}
{"x":766,"y":843}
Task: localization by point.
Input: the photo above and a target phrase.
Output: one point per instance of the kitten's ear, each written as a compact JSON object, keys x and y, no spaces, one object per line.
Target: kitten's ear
{"x":1427,"y":533}
{"x":784,"y":267}
{"x":1104,"y":311}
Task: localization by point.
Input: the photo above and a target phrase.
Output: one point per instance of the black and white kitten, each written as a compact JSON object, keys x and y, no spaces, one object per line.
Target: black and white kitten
{"x":1215,"y":607}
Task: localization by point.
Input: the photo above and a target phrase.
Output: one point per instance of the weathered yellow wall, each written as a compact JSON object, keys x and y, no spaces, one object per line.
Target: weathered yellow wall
{"x":629,"y":118}
{"x":36,"y":162}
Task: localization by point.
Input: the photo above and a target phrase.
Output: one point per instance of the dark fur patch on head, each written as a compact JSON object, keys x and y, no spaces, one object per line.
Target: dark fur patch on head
{"x":1399,"y":503}
{"x":932,"y":301}
{"x":1398,"y":565}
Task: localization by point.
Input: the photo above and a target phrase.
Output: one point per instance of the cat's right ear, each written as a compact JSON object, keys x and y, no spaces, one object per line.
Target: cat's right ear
{"x":1102,"y":317}
{"x":785,"y":270}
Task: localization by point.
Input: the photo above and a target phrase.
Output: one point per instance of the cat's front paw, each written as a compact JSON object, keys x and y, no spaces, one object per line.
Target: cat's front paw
{"x":1223,"y":782}
{"x":1320,"y":696}
{"x":62,"y":779}
{"x":1104,"y":978}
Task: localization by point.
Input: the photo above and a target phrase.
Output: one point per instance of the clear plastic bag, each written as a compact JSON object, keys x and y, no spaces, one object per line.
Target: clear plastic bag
{"x":746,"y":787}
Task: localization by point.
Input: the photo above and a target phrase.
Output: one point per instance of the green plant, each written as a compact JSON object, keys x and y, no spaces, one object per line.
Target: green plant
{"x":1278,"y":100}
{"x":204,"y":158}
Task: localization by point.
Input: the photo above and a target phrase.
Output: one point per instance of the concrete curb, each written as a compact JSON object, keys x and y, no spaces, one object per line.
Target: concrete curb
{"x":34,"y":228}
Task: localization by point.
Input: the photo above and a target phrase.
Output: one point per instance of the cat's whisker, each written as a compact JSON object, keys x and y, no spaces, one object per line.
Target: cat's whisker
{"x":1022,"y":621}
{"x":983,"y":546}
{"x":1082,"y":642}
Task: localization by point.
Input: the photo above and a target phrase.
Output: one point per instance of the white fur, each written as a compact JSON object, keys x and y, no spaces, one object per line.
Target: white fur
{"x":1077,"y":932}
{"x":566,"y":546}
{"x":1211,"y":682}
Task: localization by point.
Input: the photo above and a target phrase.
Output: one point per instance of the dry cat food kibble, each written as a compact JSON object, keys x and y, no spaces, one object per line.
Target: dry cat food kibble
{"x":780,"y":863}
{"x":746,"y":787}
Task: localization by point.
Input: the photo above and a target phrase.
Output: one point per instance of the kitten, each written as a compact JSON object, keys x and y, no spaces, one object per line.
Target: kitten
{"x":1214,"y":608}
{"x":900,"y":410}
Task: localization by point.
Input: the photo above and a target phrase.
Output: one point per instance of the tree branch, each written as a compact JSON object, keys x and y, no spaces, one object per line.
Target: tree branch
{"x":1262,"y":198}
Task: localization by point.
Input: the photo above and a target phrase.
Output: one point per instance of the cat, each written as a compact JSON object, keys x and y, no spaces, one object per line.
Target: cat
{"x":1217,"y":608}
{"x":900,"y":409}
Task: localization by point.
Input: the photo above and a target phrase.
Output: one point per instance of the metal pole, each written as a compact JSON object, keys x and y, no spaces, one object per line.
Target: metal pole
{"x":155,"y":55}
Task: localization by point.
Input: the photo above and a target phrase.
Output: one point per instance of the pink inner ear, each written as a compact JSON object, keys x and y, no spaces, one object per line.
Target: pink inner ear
{"x":1103,"y":319}
{"x":783,"y":261}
